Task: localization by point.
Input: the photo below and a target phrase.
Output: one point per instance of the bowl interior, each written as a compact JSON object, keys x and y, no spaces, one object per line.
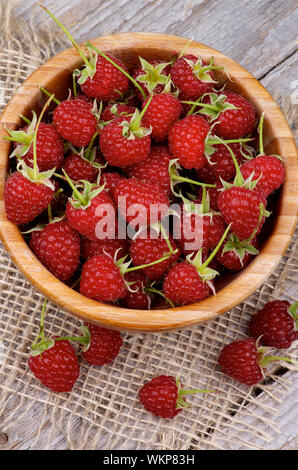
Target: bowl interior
{"x":56,"y":77}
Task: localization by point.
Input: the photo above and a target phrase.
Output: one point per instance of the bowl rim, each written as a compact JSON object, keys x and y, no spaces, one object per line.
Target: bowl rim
{"x":248,"y":280}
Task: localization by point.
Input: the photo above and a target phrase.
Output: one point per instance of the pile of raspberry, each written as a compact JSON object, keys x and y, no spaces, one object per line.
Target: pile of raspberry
{"x":166,"y":134}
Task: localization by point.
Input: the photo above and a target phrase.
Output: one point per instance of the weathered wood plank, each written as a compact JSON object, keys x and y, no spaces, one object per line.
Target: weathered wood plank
{"x":258,"y":34}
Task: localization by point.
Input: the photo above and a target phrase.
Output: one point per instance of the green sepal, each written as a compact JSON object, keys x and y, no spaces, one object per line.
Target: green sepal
{"x":90,"y":191}
{"x":219,"y":103}
{"x":153,"y":75}
{"x":86,"y":336}
{"x":132,"y":129}
{"x":89,"y":70}
{"x":24,"y":138}
{"x":200,"y":71}
{"x":239,"y":247}
{"x":42,"y":346}
{"x":41,"y":177}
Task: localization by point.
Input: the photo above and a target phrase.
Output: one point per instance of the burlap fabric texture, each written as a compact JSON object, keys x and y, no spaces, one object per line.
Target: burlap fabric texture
{"x":103,"y":411}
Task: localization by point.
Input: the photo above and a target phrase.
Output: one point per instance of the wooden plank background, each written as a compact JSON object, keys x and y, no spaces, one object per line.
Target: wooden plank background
{"x":260,"y":34}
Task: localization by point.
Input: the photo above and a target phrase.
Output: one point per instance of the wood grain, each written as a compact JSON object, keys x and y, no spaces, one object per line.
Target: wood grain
{"x":258,"y":34}
{"x":278,"y":139}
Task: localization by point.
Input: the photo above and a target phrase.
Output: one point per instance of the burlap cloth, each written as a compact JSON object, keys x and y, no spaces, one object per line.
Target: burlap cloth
{"x":103,"y":411}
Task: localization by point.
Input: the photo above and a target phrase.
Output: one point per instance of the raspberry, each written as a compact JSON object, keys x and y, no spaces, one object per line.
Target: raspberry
{"x":103,"y":347}
{"x":101,"y":280}
{"x":108,"y":82}
{"x":159,"y":396}
{"x":238,"y":254}
{"x":235,"y":123}
{"x":146,"y":250}
{"x":240,"y":206}
{"x":240,"y":361}
{"x":84,"y":219}
{"x":155,"y":169}
{"x":91,"y":248}
{"x":49,"y":148}
{"x":57,"y":367}
{"x":162,"y":112}
{"x":269,"y":169}
{"x":183,"y":285}
{"x":112,"y":111}
{"x":79,"y":168}
{"x":274,"y":324}
{"x":123,"y":150}
{"x":136,"y":297}
{"x":187,"y":141}
{"x":57,"y":247}
{"x":139,"y":199}
{"x":74,"y":121}
{"x":25,"y":199}
{"x":187,"y":76}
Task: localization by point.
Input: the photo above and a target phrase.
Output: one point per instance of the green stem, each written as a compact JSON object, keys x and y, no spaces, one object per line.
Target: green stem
{"x":27,"y":121}
{"x":188,"y":180}
{"x":156,"y":291}
{"x":74,"y":85}
{"x":260,"y":131}
{"x":267,"y":360}
{"x":102,"y":54}
{"x":41,"y":335}
{"x":46,"y":92}
{"x":88,"y":150}
{"x":228,"y":141}
{"x":208,"y":260}
{"x":75,"y":190}
{"x":135,"y":268}
{"x":83,"y":57}
{"x":50,"y":214}
{"x":184,"y":49}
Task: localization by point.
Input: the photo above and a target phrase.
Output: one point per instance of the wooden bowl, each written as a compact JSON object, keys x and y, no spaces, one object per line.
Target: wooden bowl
{"x":55,"y":76}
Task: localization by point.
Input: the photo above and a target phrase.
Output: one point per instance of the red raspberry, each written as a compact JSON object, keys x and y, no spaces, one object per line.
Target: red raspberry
{"x":91,"y":248}
{"x":85,"y":219}
{"x":163,"y":111}
{"x":121,"y":150}
{"x":136,"y":199}
{"x":222,"y":163}
{"x":112,"y":111}
{"x":49,"y":148}
{"x":111,"y":179}
{"x":24,"y":199}
{"x":74,"y":121}
{"x":159,"y":396}
{"x":238,"y":256}
{"x":183,"y":284}
{"x":274,"y":325}
{"x":188,"y":77}
{"x":57,"y":247}
{"x":151,"y":76}
{"x":136,"y":298}
{"x":155,"y":169}
{"x":240,"y":206}
{"x":206,"y":173}
{"x":79,"y":168}
{"x":187,"y":141}
{"x":165,"y":396}
{"x":101,"y":280}
{"x":108,"y":82}
{"x":235,"y":123}
{"x":57,"y":367}
{"x":104,"y":345}
{"x":240,"y":361}
{"x":270,"y":170}
{"x":147,"y":250}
